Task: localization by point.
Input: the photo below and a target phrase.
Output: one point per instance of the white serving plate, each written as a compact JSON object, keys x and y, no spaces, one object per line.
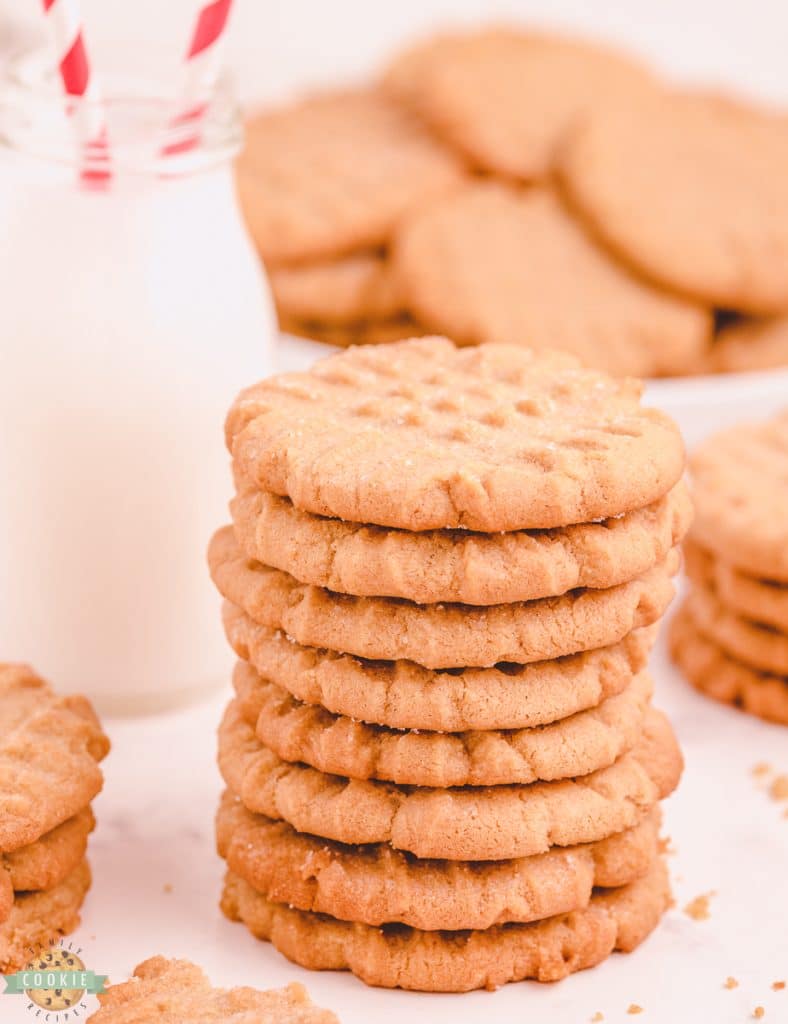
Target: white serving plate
{"x":703,"y":405}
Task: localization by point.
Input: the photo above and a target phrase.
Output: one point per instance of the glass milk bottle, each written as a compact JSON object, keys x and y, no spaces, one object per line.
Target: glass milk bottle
{"x":131,"y":313}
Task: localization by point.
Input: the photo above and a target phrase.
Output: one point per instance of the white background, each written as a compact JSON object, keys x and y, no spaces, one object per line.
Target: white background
{"x":162,"y":785}
{"x":290,"y":44}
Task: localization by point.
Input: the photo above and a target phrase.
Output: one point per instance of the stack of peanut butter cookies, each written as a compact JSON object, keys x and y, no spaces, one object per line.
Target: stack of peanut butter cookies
{"x":50,"y":748}
{"x":443,"y":578}
{"x":731,"y":635}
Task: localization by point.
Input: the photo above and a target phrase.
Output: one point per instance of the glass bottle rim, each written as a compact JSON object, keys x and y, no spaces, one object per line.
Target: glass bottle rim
{"x":135,"y":127}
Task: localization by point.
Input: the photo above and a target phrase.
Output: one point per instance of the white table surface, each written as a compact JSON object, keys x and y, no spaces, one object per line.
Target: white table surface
{"x":157,"y":879}
{"x":155,"y":831}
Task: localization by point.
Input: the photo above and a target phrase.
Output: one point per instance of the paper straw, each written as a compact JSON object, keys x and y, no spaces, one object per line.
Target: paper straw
{"x":202,"y":64}
{"x":65,"y":20}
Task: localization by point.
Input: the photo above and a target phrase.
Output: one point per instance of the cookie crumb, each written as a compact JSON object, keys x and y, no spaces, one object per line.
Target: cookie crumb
{"x":633,"y":1008}
{"x":758,"y":1012}
{"x":778,"y":986}
{"x":167,"y":887}
{"x":698,"y":909}
{"x":762,"y":768}
{"x":779,"y":788}
{"x":731,"y":982}
{"x":598,"y":1016}
{"x":666,"y":846}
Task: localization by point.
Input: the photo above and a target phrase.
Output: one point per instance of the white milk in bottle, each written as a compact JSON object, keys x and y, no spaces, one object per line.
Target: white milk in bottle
{"x":130,"y":315}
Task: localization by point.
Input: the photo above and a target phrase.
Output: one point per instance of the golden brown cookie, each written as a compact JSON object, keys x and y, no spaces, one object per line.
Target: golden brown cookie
{"x":751,"y":345}
{"x":506,"y":98}
{"x":439,"y":635}
{"x":403,"y":695}
{"x":50,"y":747}
{"x":37,"y":917}
{"x":338,"y":745}
{"x":368,"y":332}
{"x":46,"y":862}
{"x":690,"y":189}
{"x":334,"y":173}
{"x":760,"y":600}
{"x":338,"y":292}
{"x":722,"y":677}
{"x":456,"y":565}
{"x":421,"y":435}
{"x":398,"y":957}
{"x":468,"y":823}
{"x":178,"y":992}
{"x":403,"y":76}
{"x":740,"y":478}
{"x":377,"y":885}
{"x":761,"y":647}
{"x":493,"y":263}
{"x":6,"y":896}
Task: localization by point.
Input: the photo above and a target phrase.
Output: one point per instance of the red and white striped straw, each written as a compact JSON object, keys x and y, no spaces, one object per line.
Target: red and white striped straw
{"x":65,"y":22}
{"x":202,"y":65}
